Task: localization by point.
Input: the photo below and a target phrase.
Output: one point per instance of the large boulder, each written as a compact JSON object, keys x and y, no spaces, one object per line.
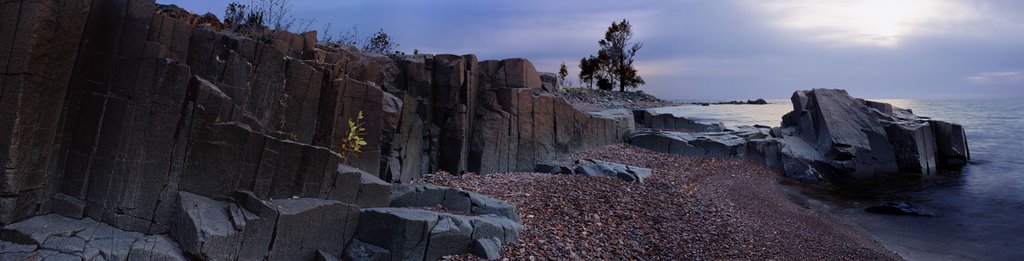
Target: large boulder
{"x":841,"y":138}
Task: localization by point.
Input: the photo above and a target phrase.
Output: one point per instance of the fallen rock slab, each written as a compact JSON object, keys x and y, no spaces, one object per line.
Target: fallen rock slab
{"x":599,"y":168}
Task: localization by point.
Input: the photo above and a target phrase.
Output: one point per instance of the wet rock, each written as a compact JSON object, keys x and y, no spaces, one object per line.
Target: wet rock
{"x":951,"y":144}
{"x":853,"y":139}
{"x":899,"y":208}
{"x":599,"y":168}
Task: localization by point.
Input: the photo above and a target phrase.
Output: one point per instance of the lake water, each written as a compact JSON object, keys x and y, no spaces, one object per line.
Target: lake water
{"x":979,"y":209}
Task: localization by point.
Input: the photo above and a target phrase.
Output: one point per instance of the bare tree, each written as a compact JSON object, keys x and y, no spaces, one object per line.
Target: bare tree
{"x":380,"y":43}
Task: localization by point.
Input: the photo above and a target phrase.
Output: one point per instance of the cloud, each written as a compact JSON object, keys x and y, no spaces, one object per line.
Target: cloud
{"x":997,"y":78}
{"x":730,"y":49}
{"x":882,"y":23}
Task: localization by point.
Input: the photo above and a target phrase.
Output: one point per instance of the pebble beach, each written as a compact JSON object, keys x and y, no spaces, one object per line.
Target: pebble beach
{"x":692,"y":208}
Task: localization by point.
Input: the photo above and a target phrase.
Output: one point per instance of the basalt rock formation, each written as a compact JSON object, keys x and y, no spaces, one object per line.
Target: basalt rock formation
{"x":152,"y":121}
{"x":857,"y":139}
{"x":828,"y":137}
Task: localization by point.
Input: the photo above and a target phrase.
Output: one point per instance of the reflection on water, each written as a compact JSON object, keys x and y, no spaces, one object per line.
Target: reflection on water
{"x":980,"y":208}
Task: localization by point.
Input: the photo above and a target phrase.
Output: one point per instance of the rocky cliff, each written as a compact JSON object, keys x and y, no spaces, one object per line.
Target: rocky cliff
{"x":120,"y":112}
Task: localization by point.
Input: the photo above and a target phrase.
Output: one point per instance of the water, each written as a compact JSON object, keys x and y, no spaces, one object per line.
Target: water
{"x":980,"y":209}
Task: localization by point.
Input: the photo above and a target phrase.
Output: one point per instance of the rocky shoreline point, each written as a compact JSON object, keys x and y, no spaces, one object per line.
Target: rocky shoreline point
{"x":829,"y":137}
{"x":597,"y":100}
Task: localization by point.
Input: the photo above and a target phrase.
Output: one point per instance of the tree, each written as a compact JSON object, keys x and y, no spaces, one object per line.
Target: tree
{"x":380,"y":43}
{"x":562,"y":73}
{"x":589,"y":67}
{"x":605,"y":84}
{"x":619,"y":52}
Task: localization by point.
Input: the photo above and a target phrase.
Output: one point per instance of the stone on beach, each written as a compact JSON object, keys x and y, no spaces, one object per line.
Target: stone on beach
{"x":600,"y":168}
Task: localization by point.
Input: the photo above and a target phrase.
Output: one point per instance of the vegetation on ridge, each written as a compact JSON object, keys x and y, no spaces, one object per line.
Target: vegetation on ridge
{"x":613,"y":64}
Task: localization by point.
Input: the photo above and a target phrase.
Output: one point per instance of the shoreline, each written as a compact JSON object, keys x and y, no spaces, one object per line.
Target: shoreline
{"x":691,"y":208}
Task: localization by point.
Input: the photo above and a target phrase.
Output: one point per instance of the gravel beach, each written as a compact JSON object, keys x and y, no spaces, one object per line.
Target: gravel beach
{"x":692,"y":208}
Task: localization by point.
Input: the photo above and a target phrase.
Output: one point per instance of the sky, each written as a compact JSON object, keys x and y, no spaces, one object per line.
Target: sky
{"x":721,"y":49}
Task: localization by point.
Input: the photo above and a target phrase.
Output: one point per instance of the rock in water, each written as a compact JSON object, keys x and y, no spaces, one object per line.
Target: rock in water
{"x":856,"y":139}
{"x":951,"y":144}
{"x":899,"y":208}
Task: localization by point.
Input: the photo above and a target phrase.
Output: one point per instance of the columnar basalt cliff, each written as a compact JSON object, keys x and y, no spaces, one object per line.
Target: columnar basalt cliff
{"x":152,"y":122}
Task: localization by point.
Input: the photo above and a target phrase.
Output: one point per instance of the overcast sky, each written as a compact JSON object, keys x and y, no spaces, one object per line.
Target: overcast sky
{"x":717,"y":50}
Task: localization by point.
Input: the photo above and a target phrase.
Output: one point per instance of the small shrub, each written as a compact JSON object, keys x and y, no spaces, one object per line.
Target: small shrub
{"x":380,"y":43}
{"x":352,"y":143}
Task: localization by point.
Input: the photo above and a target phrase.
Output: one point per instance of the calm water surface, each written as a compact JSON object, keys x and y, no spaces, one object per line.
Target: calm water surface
{"x":980,"y":209}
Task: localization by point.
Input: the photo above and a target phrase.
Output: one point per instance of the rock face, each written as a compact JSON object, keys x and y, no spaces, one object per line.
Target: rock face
{"x":151,"y":121}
